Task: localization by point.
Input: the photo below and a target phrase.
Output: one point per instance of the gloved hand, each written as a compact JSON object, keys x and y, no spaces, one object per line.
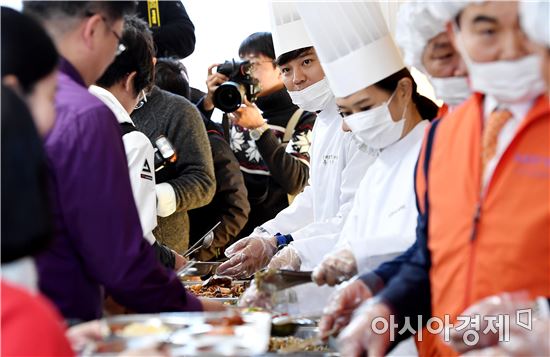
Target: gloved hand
{"x":505,"y":303}
{"x":522,"y":342}
{"x":341,"y":305}
{"x":286,"y":258}
{"x":335,"y":268}
{"x":254,"y":298}
{"x":359,"y":336}
{"x":247,"y":256}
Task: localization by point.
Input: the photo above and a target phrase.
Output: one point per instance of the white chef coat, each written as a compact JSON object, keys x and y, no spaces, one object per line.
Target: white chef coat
{"x":140,"y":156}
{"x":382,"y":223}
{"x":317,"y":215}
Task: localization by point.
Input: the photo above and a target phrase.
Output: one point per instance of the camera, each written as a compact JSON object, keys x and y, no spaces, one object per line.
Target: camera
{"x":230,"y":95}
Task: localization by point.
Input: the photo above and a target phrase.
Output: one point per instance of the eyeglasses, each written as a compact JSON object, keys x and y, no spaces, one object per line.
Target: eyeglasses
{"x":254,"y":65}
{"x":142,"y":99}
{"x":120,"y":48}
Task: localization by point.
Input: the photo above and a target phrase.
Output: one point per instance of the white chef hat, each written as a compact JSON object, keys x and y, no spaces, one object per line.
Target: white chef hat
{"x":416,"y":27}
{"x":448,"y":10}
{"x":353,"y":43}
{"x":535,"y":20}
{"x":287,"y":27}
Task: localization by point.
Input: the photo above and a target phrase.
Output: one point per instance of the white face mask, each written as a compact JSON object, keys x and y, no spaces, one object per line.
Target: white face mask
{"x":375,"y":128}
{"x":507,"y":81}
{"x":452,"y":90}
{"x":314,"y":98}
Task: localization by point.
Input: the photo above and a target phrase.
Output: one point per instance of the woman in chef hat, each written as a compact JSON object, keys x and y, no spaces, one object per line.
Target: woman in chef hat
{"x":380,"y":105}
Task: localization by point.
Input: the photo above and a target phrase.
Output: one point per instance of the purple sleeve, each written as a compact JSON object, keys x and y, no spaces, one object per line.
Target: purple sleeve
{"x":98,"y":202}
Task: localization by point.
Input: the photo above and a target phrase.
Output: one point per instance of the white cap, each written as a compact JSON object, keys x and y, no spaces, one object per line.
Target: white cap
{"x":288,"y":30}
{"x":447,"y":10}
{"x":535,"y":20}
{"x":353,"y":43}
{"x":416,"y":27}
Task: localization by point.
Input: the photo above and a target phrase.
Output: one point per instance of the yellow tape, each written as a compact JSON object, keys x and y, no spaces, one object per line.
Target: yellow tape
{"x":153,"y":13}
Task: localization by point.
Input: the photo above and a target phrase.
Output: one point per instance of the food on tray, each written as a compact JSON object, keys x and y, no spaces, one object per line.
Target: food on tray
{"x":138,"y":329}
{"x":295,"y":344}
{"x":217,"y":287}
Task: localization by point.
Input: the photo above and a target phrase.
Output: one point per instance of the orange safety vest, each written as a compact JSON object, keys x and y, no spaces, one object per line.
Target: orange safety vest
{"x":482,"y":246}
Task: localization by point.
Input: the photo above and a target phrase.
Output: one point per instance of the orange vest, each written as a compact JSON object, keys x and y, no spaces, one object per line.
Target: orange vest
{"x":507,"y":247}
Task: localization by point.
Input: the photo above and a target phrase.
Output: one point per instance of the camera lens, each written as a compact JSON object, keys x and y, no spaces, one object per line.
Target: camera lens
{"x":229,"y":96}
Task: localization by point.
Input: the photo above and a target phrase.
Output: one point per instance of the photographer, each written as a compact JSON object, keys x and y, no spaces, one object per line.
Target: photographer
{"x":272,"y":169}
{"x":120,"y":88}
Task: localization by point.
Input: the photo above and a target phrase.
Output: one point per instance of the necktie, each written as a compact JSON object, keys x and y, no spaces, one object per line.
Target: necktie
{"x":492,"y":129}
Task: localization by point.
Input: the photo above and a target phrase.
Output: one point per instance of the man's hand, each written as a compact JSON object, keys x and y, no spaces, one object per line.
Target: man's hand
{"x":82,"y":334}
{"x":247,"y":256}
{"x":359,"y":336}
{"x":247,"y":116}
{"x":341,"y":305}
{"x":335,"y":268}
{"x":213,"y":81}
{"x":286,"y":258}
{"x":179,"y":262}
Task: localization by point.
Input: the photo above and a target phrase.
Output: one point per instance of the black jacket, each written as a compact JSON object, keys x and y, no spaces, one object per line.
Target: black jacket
{"x":176,"y":34}
{"x":230,"y":204}
{"x":272,"y":170}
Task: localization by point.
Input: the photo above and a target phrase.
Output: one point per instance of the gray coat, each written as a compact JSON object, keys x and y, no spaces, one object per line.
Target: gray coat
{"x":193,"y":177}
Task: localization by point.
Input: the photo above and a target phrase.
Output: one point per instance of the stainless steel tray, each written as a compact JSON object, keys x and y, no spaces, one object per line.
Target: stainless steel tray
{"x":187,"y":334}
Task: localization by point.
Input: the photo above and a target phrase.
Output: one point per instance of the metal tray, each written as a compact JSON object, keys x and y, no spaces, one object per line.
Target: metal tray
{"x":188,"y":334}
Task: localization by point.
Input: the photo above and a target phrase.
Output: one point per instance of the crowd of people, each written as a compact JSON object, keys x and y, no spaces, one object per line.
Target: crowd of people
{"x":406,"y":212}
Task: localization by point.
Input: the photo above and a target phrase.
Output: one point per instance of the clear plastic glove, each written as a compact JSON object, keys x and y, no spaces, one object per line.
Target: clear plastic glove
{"x":341,"y":305}
{"x":522,"y":342}
{"x":254,"y":298}
{"x":359,"y":336}
{"x":82,"y":334}
{"x":505,"y":303}
{"x":335,"y":268}
{"x":247,"y":256}
{"x":286,"y":258}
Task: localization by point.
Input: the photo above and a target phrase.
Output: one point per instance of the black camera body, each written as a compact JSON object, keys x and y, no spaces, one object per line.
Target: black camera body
{"x":230,"y":95}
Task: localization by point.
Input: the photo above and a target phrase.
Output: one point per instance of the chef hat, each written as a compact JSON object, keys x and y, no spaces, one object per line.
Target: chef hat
{"x":447,"y":10}
{"x":353,"y":43}
{"x":416,"y":27}
{"x":287,"y":27}
{"x":535,"y":20}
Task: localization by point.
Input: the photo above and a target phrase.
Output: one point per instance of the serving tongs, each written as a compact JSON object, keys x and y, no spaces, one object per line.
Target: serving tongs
{"x":272,"y":280}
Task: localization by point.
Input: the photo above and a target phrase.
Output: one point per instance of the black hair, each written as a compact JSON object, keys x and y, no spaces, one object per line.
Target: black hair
{"x":292,"y":55}
{"x":259,"y":43}
{"x":28,"y":52}
{"x":26,"y":219}
{"x":138,"y":56}
{"x":60,"y":10}
{"x":426,"y":108}
{"x":169,"y":76}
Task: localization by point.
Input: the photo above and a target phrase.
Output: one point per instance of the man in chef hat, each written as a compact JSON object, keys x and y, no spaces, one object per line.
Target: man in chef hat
{"x":487,"y":215}
{"x":426,"y":46}
{"x":308,"y":228}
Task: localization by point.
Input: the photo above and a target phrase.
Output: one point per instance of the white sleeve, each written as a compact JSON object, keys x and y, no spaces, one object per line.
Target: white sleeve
{"x":295,"y":216}
{"x":140,"y":156}
{"x":357,"y":163}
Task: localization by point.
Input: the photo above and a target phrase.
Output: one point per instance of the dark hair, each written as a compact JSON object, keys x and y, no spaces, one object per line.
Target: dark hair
{"x":27,"y":51}
{"x":259,"y":43}
{"x":292,"y":55}
{"x":58,"y":10}
{"x":426,"y":108}
{"x":170,"y":76}
{"x":138,"y":56}
{"x":26,"y":220}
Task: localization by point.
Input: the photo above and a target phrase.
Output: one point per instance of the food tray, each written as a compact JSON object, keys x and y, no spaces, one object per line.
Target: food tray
{"x":186,"y":334}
